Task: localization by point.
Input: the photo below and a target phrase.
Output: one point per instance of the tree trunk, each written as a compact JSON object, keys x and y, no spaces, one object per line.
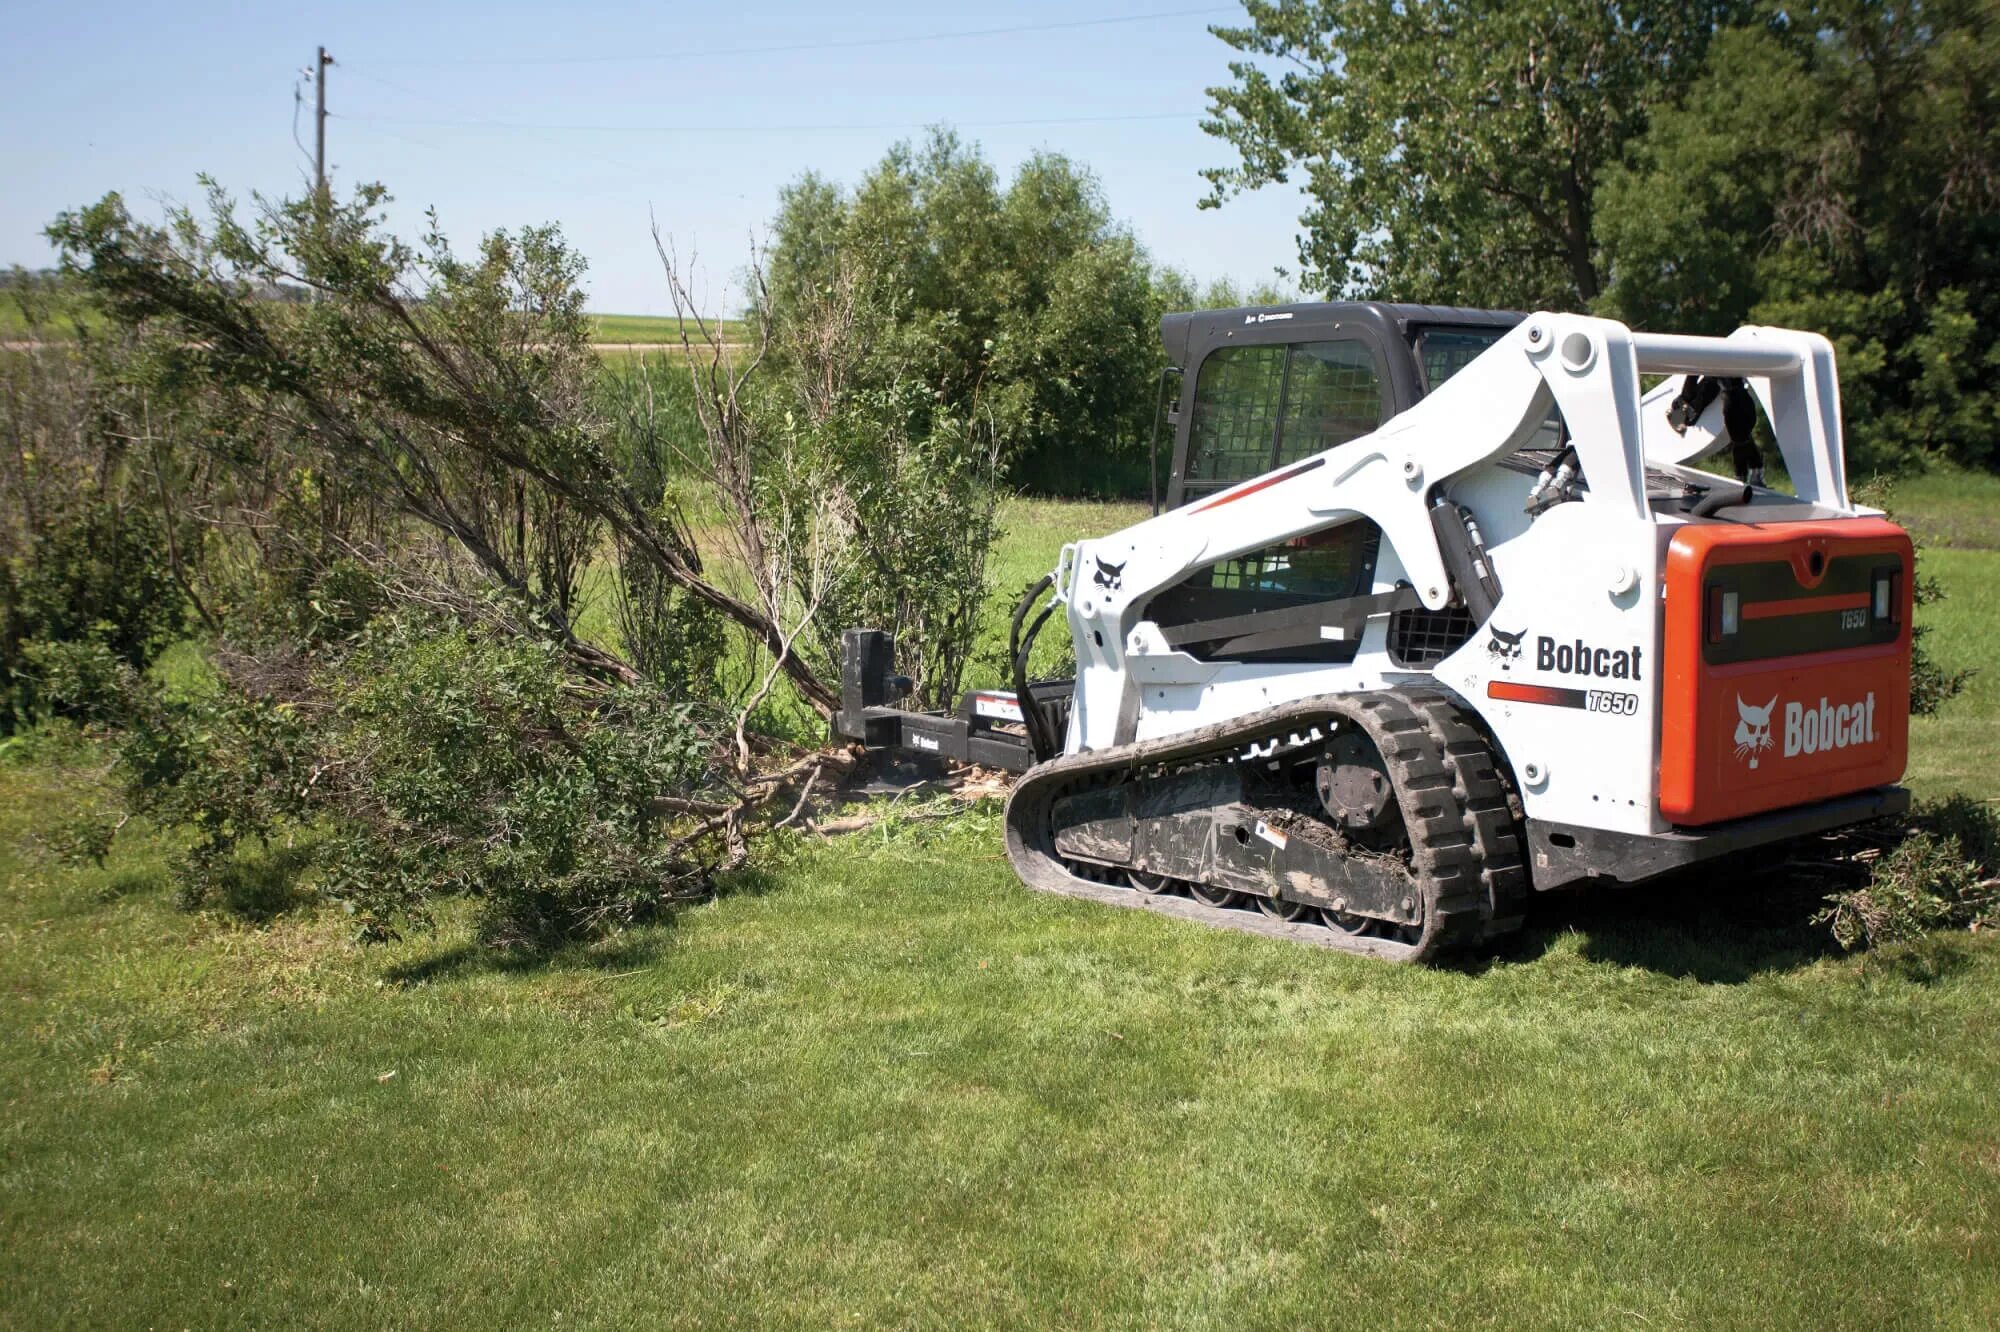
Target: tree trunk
{"x":1576,"y":237}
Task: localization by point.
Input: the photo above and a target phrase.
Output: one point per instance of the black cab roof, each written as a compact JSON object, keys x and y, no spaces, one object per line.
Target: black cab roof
{"x":1190,"y":335}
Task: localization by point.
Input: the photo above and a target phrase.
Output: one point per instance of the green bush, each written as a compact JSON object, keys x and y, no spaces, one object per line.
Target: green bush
{"x":481,"y":771}
{"x":916,"y":488}
{"x":81,"y":677}
{"x":423,"y":761}
{"x":1024,"y":303}
{"x":95,"y":579}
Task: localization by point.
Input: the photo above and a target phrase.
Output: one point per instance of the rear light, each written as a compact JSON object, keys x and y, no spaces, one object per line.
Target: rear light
{"x":1885,"y":599}
{"x":1724,"y":613}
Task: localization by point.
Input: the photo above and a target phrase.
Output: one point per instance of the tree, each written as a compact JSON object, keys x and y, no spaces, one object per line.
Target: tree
{"x":406,"y":479}
{"x":424,"y":392}
{"x":1451,"y":149}
{"x":1027,"y":302}
{"x":1836,"y":167}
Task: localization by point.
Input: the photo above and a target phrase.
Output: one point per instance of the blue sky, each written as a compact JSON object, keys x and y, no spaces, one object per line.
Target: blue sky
{"x":636,"y":112}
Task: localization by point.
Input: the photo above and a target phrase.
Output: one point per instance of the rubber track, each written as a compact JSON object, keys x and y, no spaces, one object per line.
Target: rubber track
{"x":1487,"y":809}
{"x":1465,"y":842}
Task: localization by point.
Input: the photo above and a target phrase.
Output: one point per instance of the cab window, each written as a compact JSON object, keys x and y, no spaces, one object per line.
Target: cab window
{"x":1445,"y":352}
{"x":1235,"y":413}
{"x":1331,"y":396}
{"x":1259,"y":407}
{"x":1332,"y":564}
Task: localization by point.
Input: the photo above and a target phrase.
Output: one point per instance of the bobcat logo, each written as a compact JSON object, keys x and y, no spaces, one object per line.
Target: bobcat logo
{"x":1753,"y":728}
{"x":1109,"y":575}
{"x":1505,"y":648}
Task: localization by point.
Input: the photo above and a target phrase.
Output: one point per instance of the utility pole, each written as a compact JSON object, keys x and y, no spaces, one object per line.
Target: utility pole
{"x":319,"y":138}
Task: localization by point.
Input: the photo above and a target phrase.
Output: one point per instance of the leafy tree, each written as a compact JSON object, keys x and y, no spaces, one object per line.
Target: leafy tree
{"x":1691,"y":165}
{"x":1452,"y":149}
{"x":1836,"y":167}
{"x":1025,"y":306}
{"x":431,"y":415}
{"x":416,"y":467}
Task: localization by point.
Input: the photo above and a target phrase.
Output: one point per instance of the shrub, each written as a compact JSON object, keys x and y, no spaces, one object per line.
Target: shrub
{"x":914,"y":492}
{"x":427,"y":759}
{"x":474,"y":767}
{"x":95,"y":578}
{"x":1024,"y":302}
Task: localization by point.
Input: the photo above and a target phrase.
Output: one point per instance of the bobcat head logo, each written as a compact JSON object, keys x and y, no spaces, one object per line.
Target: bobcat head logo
{"x":1505,"y":648}
{"x":1109,"y":575}
{"x":1753,"y":728}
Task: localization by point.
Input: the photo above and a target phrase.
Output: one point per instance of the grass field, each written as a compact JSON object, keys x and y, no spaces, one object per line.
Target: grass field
{"x":657,"y":330}
{"x":61,"y":315}
{"x":1956,"y":517}
{"x":879,"y":1084}
{"x":619,"y":331}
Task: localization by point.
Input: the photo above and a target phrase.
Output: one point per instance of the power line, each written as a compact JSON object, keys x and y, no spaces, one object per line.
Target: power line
{"x":393,"y":86}
{"x":838,"y":44}
{"x":765,"y":129}
{"x":298,"y":105}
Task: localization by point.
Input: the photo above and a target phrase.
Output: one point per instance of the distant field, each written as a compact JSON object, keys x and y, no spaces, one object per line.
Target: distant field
{"x":656,"y":330}
{"x":610,"y":329}
{"x":1947,"y":507}
{"x":60,"y":319}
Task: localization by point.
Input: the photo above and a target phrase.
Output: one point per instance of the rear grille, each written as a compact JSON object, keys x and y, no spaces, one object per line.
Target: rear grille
{"x":1423,"y":638}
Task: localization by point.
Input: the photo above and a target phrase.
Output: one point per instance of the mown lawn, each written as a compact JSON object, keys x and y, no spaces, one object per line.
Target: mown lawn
{"x":1955,"y":517}
{"x":880,"y":1084}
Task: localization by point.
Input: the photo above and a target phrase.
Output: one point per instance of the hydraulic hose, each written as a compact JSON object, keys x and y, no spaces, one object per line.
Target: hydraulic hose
{"x":1018,"y":647}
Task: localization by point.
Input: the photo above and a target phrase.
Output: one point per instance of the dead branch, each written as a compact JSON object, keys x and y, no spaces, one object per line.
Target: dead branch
{"x":805,"y":794}
{"x":729,"y":462}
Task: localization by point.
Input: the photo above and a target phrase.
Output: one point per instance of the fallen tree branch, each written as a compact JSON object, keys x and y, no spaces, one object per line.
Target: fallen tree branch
{"x":805,"y":794}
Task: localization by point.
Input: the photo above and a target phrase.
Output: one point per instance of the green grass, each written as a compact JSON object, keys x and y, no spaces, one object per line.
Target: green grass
{"x":880,"y":1084}
{"x":656,"y":330}
{"x":1033,"y":534}
{"x":1951,"y":508}
{"x":59,"y":314}
{"x":1959,"y":749}
{"x":1955,"y":516}
{"x":896,"y":1089}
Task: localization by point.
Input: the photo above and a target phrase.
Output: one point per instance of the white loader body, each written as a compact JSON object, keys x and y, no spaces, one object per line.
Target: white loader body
{"x":1582,"y":605}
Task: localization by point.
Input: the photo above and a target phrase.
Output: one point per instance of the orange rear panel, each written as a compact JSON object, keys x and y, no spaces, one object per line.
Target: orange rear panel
{"x":1787,"y":672}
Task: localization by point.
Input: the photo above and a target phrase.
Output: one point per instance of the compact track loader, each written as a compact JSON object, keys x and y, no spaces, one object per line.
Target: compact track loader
{"x":1439,"y":613}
